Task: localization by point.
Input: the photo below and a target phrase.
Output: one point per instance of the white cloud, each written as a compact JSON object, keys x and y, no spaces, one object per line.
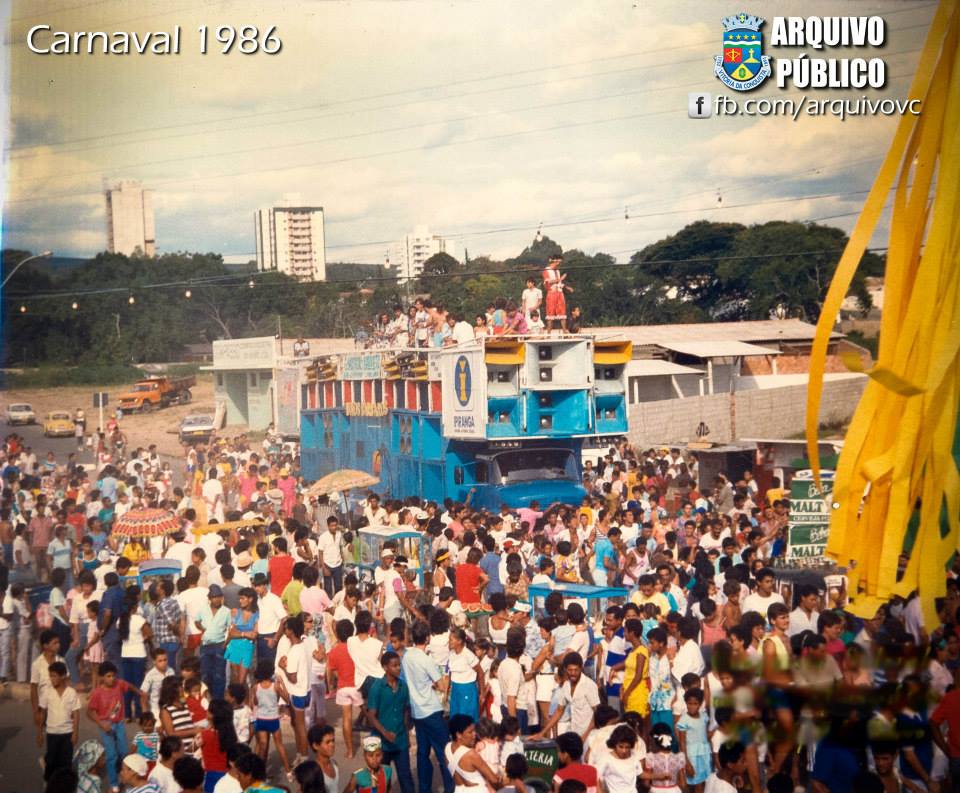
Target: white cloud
{"x":348,"y":69}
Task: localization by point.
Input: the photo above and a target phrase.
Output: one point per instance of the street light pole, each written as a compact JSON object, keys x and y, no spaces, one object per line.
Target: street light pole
{"x":44,"y":255}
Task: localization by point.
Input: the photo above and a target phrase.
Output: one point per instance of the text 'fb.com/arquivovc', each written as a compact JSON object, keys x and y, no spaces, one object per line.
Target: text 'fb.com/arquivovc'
{"x":705,"y":105}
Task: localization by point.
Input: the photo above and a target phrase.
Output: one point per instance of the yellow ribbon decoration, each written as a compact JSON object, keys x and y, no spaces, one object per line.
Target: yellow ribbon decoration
{"x":897,"y":458}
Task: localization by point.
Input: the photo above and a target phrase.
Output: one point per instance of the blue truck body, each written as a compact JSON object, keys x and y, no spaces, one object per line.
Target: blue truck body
{"x":502,"y":421}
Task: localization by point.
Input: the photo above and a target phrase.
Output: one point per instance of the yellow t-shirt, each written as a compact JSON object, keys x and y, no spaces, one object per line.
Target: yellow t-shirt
{"x":657,"y":598}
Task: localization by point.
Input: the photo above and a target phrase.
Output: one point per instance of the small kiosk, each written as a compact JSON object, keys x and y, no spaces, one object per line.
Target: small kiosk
{"x":409,"y":543}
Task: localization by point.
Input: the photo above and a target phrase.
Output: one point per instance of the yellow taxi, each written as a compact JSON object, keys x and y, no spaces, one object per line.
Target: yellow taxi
{"x":58,"y":424}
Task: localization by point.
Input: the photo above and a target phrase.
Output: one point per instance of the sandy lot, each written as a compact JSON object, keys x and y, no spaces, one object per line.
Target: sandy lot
{"x":142,"y":429}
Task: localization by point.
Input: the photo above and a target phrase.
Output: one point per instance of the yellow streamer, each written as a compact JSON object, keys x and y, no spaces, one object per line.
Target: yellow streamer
{"x":897,"y":458}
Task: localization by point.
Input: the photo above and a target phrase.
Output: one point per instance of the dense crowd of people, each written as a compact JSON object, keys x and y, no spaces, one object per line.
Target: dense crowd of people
{"x":429,"y":324}
{"x":708,"y":671}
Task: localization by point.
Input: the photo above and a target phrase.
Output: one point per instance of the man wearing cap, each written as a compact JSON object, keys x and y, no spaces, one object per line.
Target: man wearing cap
{"x":374,"y":777}
{"x":214,"y":621}
{"x":386,"y":577}
{"x":328,"y":546}
{"x":133,"y":773}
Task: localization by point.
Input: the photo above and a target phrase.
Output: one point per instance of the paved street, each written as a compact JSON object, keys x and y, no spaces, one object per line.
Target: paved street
{"x":33,"y":437}
{"x":20,"y":770}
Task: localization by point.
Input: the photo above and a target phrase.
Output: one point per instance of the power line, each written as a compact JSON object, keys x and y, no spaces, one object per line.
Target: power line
{"x":360,"y":157}
{"x":368,"y":133}
{"x":241,"y":117}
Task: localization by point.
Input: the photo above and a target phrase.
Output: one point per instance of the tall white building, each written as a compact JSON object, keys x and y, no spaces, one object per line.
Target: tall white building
{"x":410,"y":254}
{"x":290,"y":240}
{"x":130,"y":227}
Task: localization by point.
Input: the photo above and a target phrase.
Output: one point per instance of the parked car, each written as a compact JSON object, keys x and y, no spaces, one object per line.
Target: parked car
{"x":196,"y":427}
{"x":20,"y":413}
{"x":58,"y":424}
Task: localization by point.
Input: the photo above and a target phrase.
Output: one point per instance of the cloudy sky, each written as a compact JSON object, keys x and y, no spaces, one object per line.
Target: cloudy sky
{"x":480,"y":120}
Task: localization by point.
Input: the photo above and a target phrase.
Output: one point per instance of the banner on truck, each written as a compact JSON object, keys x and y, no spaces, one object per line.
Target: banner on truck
{"x":464,"y":395}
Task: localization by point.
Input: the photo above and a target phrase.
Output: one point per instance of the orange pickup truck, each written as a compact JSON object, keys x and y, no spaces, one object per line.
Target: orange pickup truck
{"x":157,"y":392}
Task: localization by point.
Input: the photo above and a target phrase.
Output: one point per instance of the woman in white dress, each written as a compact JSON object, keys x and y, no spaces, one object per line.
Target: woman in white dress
{"x":469,"y":771}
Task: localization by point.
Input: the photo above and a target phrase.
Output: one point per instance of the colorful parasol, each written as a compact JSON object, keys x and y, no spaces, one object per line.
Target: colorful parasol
{"x":146,"y":523}
{"x":347,"y":479}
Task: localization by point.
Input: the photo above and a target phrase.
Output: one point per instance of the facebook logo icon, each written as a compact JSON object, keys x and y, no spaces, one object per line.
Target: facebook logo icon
{"x":699,"y":105}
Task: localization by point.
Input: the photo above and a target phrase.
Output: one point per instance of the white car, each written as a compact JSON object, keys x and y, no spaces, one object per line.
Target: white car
{"x":20,"y":413}
{"x":196,"y":427}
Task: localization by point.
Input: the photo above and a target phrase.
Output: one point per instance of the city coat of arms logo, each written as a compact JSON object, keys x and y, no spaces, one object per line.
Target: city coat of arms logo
{"x":742,"y":66}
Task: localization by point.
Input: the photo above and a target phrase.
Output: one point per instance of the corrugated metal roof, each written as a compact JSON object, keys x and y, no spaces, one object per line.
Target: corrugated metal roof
{"x":653,"y":367}
{"x":716,"y":349}
{"x":751,"y":331}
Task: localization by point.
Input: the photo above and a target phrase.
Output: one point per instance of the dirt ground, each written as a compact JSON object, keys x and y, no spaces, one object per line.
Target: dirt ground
{"x":142,"y":429}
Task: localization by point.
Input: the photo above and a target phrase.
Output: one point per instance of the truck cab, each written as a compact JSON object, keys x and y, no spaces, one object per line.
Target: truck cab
{"x":517,"y":477}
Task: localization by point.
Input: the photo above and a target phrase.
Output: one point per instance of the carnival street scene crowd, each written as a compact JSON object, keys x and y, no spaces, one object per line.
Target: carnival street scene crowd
{"x":274,"y":661}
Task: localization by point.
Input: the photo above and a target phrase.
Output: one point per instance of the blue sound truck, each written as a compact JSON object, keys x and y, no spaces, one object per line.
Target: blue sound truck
{"x":503,"y":417}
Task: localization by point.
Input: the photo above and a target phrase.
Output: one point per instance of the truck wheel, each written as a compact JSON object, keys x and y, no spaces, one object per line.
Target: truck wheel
{"x":147,"y":406}
{"x":185,"y":396}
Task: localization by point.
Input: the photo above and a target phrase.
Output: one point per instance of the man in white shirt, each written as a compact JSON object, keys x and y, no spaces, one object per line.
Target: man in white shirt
{"x":462,"y":330}
{"x":211,"y":542}
{"x":170,"y":751}
{"x":384,"y":577}
{"x":180,"y":550}
{"x":580,"y":694}
{"x":764,"y":596}
{"x":328,"y":546}
{"x":213,"y":496}
{"x":365,"y":652}
{"x":514,"y":690}
{"x":270,"y":620}
{"x":713,"y":539}
{"x":805,"y":616}
{"x":373,"y":513}
{"x":106,"y":566}
{"x":59,"y":717}
{"x":193,"y":600}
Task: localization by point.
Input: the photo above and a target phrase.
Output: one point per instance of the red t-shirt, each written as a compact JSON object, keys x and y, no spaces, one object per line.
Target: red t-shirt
{"x":948,"y":711}
{"x":339,"y":661}
{"x":107,"y":703}
{"x":79,"y":523}
{"x":468,"y":583}
{"x":281,"y":571}
{"x":214,"y":759}
{"x":586,"y":774}
{"x":197,"y":711}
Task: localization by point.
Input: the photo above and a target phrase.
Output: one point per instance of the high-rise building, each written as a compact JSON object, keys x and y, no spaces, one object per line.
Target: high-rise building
{"x":130,"y":227}
{"x":290,"y":240}
{"x":409,"y":255}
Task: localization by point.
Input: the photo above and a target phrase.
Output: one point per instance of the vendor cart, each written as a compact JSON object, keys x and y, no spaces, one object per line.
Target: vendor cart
{"x":407,"y":543}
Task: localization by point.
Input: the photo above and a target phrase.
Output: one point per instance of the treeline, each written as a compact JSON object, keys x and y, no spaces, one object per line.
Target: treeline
{"x":706,"y":272}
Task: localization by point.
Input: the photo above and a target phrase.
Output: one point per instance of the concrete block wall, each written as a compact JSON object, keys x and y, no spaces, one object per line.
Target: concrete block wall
{"x":676,"y":420}
{"x":771,"y":413}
